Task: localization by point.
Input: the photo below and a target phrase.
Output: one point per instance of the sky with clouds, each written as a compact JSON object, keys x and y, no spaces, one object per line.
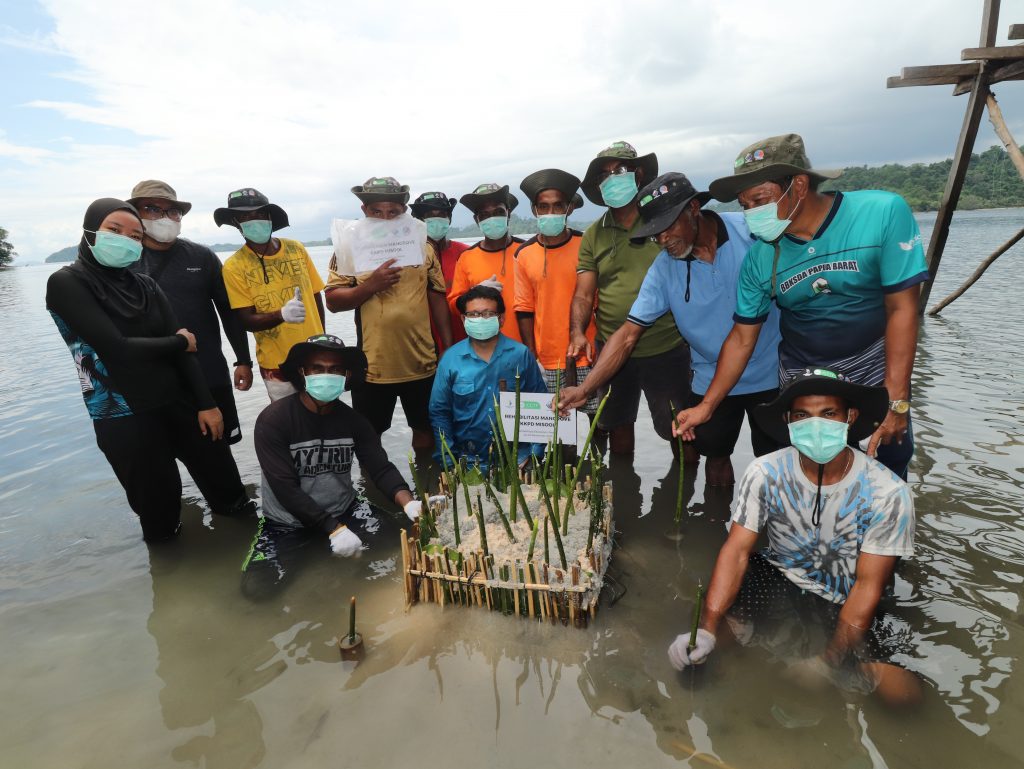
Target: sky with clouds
{"x":304,"y":99}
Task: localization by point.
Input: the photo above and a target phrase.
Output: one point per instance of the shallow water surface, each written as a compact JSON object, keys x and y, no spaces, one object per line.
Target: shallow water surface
{"x":119,"y":655}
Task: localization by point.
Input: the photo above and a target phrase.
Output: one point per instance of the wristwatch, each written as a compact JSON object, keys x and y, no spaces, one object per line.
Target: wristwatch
{"x":899,"y":406}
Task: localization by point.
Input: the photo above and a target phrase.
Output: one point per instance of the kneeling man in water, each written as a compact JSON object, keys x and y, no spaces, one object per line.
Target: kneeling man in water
{"x":305,"y":444}
{"x":837,"y":523}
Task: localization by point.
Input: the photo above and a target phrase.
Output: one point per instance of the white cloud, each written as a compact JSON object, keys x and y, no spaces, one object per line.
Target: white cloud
{"x":302,"y":100}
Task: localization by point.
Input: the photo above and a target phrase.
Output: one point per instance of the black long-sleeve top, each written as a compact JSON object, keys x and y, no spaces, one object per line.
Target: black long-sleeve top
{"x":306,"y":460}
{"x":125,"y":365}
{"x":190,"y":276}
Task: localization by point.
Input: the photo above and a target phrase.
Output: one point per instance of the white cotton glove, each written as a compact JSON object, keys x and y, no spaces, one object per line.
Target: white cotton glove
{"x":413,"y":509}
{"x":345,"y":542}
{"x":680,"y":657}
{"x":492,"y":282}
{"x":294,"y":311}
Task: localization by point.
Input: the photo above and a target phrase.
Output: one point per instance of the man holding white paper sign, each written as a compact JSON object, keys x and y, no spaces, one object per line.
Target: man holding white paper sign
{"x":385,"y":270}
{"x":469,"y":379}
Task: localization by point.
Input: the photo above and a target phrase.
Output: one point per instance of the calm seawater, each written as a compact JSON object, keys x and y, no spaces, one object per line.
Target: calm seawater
{"x":115,"y":655}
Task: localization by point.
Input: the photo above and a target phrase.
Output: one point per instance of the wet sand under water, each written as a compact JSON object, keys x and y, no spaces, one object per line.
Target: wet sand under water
{"x":119,"y":655}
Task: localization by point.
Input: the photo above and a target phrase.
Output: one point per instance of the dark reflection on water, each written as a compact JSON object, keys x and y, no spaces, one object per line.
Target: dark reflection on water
{"x":116,"y":655}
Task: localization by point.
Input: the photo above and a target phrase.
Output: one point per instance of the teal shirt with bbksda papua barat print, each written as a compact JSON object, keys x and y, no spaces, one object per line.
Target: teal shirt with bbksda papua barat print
{"x":831,"y":289}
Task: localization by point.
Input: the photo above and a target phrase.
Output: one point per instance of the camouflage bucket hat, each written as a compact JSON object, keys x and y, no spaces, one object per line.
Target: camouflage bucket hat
{"x":487,"y":193}
{"x":764,"y":160}
{"x":620,"y":150}
{"x":382,"y":189}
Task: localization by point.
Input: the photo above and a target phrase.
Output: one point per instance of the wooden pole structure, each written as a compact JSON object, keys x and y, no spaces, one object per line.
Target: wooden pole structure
{"x":995,"y":116}
{"x":962,"y":156}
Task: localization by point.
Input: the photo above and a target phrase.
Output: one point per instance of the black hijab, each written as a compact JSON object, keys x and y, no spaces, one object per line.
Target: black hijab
{"x":119,"y":290}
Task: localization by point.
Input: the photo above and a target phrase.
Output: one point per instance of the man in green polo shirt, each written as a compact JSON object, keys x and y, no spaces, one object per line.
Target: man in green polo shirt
{"x":610,"y":271}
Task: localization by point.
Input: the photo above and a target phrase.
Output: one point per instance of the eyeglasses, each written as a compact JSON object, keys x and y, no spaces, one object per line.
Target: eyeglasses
{"x":619,"y":170}
{"x":155,"y":212}
{"x":485,"y":314}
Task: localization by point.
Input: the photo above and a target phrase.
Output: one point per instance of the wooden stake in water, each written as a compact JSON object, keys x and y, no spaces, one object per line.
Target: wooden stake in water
{"x":697,"y":608}
{"x":352,"y":620}
{"x":583,"y":454}
{"x":513,"y":468}
{"x":679,"y":489}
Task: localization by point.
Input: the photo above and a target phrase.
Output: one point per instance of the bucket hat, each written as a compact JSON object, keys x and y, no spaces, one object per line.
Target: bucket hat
{"x":768,"y":159}
{"x":382,"y":189}
{"x":429,"y":201}
{"x":619,"y":150}
{"x":352,"y":358}
{"x":871,"y":403}
{"x":486,"y":193}
{"x":246,"y":200}
{"x":550,"y":179}
{"x":153,"y":188}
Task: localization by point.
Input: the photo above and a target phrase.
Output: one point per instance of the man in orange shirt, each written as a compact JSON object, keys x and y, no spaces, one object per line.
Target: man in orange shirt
{"x":489,"y":262}
{"x":545,"y":278}
{"x":434,"y":209}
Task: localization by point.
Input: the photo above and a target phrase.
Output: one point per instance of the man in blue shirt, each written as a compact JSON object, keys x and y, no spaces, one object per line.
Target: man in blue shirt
{"x":695,"y":277}
{"x":468,"y":377}
{"x":843,"y":268}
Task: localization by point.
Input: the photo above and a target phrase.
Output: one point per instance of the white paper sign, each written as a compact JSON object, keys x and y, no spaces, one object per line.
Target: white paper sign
{"x":536,"y":419}
{"x":363,"y":245}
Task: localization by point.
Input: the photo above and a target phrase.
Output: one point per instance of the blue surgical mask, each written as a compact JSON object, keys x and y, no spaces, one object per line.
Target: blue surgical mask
{"x":113,"y":250}
{"x":551,"y":224}
{"x":325,"y":387}
{"x":437,"y":227}
{"x":494,"y":227}
{"x":818,"y":439}
{"x":257,"y":230}
{"x":618,"y":190}
{"x":482,"y":328}
{"x":764,"y":222}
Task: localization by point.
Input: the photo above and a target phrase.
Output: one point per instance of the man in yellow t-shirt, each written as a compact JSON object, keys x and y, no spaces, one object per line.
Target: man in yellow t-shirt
{"x":272,"y":284}
{"x":393,"y":308}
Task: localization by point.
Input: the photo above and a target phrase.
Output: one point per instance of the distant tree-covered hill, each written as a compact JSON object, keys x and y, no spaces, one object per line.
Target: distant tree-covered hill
{"x":992,"y":181}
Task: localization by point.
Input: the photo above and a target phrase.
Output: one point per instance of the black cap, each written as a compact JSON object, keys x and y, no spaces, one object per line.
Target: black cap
{"x":661,"y":202}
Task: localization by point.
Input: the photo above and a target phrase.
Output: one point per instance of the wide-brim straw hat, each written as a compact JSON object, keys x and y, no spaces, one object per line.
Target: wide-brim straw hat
{"x":765,"y":160}
{"x":620,"y":150}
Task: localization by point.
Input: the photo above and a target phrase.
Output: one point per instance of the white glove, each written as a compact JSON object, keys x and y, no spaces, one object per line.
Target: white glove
{"x":680,"y":656}
{"x":413,"y":509}
{"x":294,"y":311}
{"x":492,"y":282}
{"x":345,"y":542}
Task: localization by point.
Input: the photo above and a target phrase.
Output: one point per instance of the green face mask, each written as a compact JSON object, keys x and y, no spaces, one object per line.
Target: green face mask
{"x":551,"y":224}
{"x":257,"y":230}
{"x":818,"y":439}
{"x":494,"y":227}
{"x":437,"y":227}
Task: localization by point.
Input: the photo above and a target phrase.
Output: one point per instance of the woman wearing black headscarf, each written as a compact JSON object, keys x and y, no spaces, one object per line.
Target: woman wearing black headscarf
{"x":142,"y":386}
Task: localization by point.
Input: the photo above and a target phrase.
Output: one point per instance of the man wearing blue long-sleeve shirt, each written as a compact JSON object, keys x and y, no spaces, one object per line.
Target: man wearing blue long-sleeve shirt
{"x":468,"y":377}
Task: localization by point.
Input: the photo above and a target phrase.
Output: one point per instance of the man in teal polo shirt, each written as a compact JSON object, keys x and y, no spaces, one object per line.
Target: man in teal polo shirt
{"x":610,"y":270}
{"x":844,"y":270}
{"x":694,"y":279}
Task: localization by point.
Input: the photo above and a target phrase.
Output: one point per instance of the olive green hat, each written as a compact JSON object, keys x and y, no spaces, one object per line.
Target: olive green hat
{"x":382,"y":189}
{"x":764,"y":160}
{"x":489,"y":192}
{"x":620,"y":150}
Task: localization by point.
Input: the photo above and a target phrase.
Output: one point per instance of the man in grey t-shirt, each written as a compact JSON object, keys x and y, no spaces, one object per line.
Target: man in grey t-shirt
{"x":837,"y":523}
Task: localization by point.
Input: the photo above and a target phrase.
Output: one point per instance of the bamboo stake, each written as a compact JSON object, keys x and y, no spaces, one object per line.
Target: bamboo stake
{"x":513,"y":467}
{"x":481,"y":524}
{"x":501,"y":513}
{"x":589,"y":440}
{"x":679,"y":487}
{"x":515,"y":437}
{"x":697,"y":607}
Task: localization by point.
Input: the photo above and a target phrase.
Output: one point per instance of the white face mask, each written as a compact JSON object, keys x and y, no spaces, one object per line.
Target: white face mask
{"x":162,"y":230}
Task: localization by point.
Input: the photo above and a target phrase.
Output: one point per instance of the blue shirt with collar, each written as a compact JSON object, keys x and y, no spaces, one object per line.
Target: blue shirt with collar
{"x":462,"y":399}
{"x":706,"y":317}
